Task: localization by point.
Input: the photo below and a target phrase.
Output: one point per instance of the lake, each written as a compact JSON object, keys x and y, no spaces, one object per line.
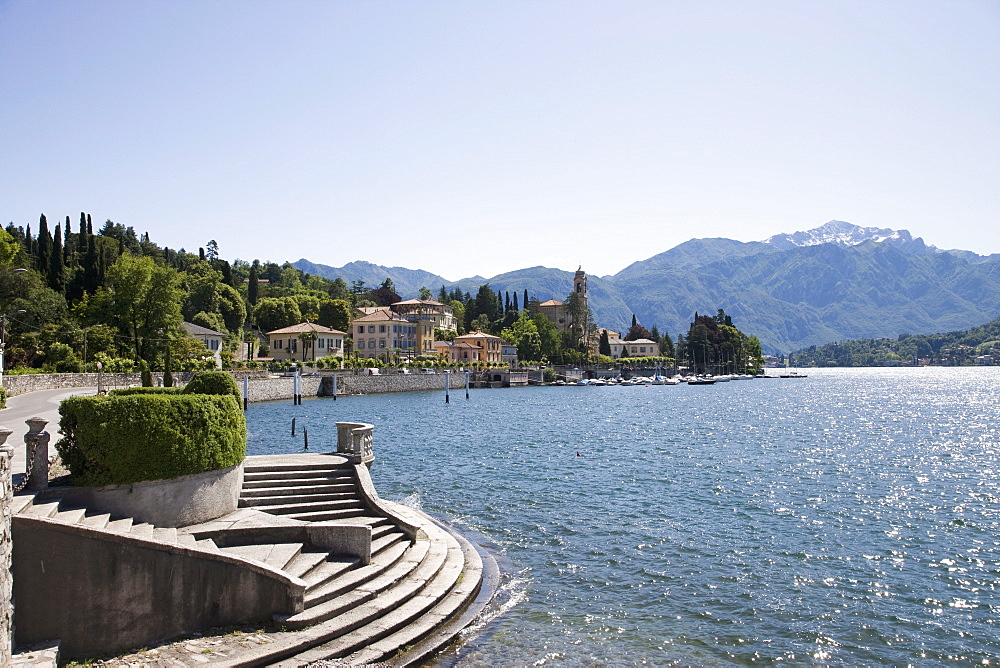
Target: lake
{"x":847,"y":518}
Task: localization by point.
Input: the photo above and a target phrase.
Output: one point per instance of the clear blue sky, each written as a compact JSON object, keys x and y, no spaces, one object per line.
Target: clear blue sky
{"x":480,"y":137}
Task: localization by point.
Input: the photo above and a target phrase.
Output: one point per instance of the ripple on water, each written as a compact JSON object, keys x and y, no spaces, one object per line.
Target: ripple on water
{"x":850,"y":518}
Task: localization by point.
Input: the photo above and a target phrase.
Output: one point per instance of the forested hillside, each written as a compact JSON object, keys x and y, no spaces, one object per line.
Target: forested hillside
{"x":953,"y":348}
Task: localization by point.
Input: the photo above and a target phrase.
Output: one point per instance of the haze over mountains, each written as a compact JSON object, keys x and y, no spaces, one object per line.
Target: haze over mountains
{"x":836,"y":282}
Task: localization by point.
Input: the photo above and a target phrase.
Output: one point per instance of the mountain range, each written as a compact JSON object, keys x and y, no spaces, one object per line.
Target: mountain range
{"x":836,"y":282}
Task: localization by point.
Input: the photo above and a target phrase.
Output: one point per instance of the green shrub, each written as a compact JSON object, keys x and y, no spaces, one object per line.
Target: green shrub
{"x":3,"y":398}
{"x":214,"y":382}
{"x":129,"y":391}
{"x":149,"y":435}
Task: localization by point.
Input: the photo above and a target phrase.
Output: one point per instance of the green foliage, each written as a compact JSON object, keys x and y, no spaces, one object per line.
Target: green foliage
{"x":214,"y":382}
{"x":129,"y":391}
{"x":3,"y":398}
{"x":274,"y":313}
{"x":118,"y":440}
{"x":335,"y":314}
{"x":957,"y":348}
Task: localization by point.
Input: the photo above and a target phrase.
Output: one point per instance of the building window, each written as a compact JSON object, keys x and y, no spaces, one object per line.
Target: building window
{"x":381,"y":329}
{"x":371,"y":343}
{"x":381,"y":343}
{"x":371,"y":330}
{"x":361,"y":344}
{"x":361,"y":329}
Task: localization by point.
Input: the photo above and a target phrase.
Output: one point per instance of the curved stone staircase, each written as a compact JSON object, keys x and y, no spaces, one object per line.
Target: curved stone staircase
{"x":419,"y":579}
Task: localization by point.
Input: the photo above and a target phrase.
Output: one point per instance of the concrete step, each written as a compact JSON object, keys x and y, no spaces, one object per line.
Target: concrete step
{"x":187,"y":540}
{"x":321,"y":590}
{"x":309,"y":488}
{"x":282,"y":553}
{"x":142,"y":530}
{"x":254,"y":552}
{"x":436,"y":627}
{"x":165,"y":534}
{"x":41,"y":509}
{"x":293,"y":498}
{"x":324,"y":466}
{"x":451,"y":590}
{"x":120,"y":526}
{"x":330,"y":569}
{"x":326,"y":515}
{"x":312,"y":506}
{"x":393,"y":608}
{"x":389,"y":586}
{"x":20,"y":502}
{"x":386,"y":540}
{"x":70,"y":515}
{"x":257,"y":483}
{"x":98,"y":521}
{"x":208,"y":544}
{"x":296,"y":474}
{"x":305,"y":561}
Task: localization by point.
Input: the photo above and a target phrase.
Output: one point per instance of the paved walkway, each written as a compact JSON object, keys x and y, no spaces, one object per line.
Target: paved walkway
{"x":43,"y":404}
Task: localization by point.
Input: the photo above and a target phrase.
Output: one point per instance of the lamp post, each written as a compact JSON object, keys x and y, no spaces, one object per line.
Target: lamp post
{"x":100,"y":388}
{"x":3,"y":339}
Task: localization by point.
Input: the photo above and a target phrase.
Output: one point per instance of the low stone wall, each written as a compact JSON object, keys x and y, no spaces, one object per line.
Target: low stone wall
{"x":53,"y":381}
{"x":132,"y":592}
{"x":177,"y":502}
{"x":263,"y":386}
{"x":278,"y":389}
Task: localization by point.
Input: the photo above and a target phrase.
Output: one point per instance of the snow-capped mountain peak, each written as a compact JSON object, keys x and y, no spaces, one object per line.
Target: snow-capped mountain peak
{"x":838,"y":232}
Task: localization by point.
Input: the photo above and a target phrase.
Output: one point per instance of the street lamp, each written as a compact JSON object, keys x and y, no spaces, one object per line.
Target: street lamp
{"x":3,"y":337}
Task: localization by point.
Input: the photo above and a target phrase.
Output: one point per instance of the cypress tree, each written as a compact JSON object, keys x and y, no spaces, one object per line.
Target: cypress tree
{"x":56,"y":264}
{"x":634,"y":321}
{"x":90,"y":227}
{"x":525,"y":302}
{"x":506,"y":301}
{"x":514,"y":304}
{"x":252,"y":285}
{"x":44,"y":253}
{"x":604,"y":347}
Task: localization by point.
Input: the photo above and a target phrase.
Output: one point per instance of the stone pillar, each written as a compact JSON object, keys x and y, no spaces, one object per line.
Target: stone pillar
{"x":36,"y":444}
{"x":6,"y":550}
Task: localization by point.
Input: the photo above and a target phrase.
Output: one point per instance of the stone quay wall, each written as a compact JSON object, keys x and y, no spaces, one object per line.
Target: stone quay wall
{"x":280,"y":388}
{"x":32,"y":382}
{"x":263,"y":386}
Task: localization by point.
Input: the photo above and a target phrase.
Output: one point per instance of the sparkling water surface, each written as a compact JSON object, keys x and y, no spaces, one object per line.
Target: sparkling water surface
{"x":847,"y":518}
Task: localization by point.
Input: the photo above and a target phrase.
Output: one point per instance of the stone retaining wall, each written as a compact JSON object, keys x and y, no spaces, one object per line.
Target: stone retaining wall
{"x":33,"y":382}
{"x":6,"y":583}
{"x":263,"y":386}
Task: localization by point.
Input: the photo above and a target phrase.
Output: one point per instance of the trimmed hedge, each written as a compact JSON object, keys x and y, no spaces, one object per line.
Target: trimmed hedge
{"x":128,"y":391}
{"x":213,"y":382}
{"x":125,"y":438}
{"x":3,"y":398}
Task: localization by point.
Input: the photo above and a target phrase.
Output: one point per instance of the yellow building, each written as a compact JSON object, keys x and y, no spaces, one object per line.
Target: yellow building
{"x":305,"y":342}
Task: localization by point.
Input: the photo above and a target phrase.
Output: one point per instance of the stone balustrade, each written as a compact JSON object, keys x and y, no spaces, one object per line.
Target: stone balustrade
{"x":354,"y":440}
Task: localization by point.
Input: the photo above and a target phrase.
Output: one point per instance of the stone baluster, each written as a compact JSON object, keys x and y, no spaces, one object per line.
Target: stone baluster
{"x":36,"y":444}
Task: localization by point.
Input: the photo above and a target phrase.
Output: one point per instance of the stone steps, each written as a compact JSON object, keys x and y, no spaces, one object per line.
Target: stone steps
{"x":388,"y":605}
{"x":53,"y":509}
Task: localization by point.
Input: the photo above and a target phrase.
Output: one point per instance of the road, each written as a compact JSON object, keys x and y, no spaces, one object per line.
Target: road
{"x":43,"y":404}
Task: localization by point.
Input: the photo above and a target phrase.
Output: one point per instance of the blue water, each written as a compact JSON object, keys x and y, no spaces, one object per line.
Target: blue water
{"x":849,"y":518}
